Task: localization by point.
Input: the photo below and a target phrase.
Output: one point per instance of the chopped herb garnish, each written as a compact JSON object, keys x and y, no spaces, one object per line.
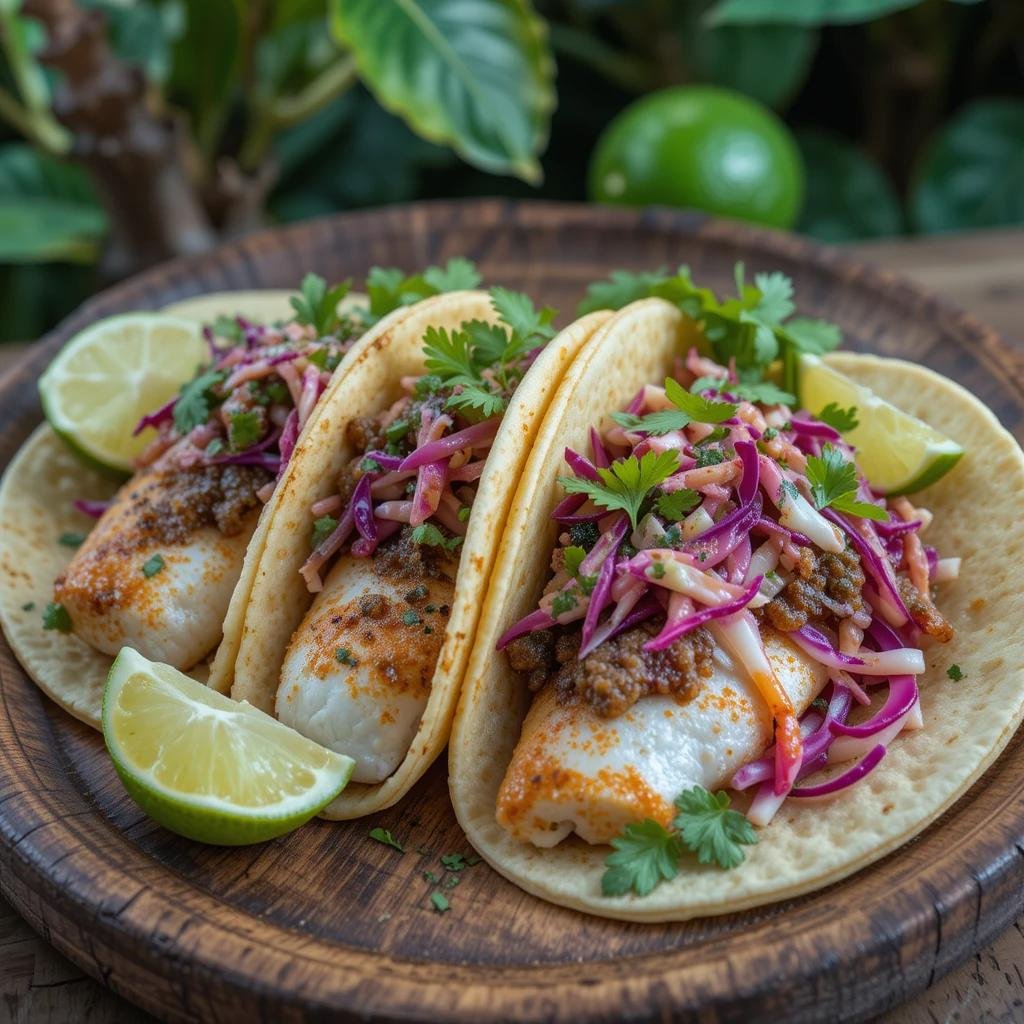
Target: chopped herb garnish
{"x":647,"y":853}
{"x":440,"y":902}
{"x":322,"y":529}
{"x":587,"y":583}
{"x":430,"y":878}
{"x":382,"y":835}
{"x":842,"y":420}
{"x":28,"y":606}
{"x":626,"y":483}
{"x":451,"y":881}
{"x":820,"y":703}
{"x":152,"y":565}
{"x":673,"y":535}
{"x":834,"y":483}
{"x":696,"y":407}
{"x":562,"y":603}
{"x":427,"y":385}
{"x":657,"y":570}
{"x":215,"y":447}
{"x":244,"y":429}
{"x":345,"y":657}
{"x":573,"y":556}
{"x":55,"y":616}
{"x":317,"y":305}
{"x":674,"y":505}
{"x":770,"y":434}
{"x":787,"y":489}
{"x":429,"y":534}
{"x":463,"y":513}
{"x":196,"y":400}
{"x":411,"y":618}
{"x":453,"y":861}
{"x":369,"y":465}
{"x":71,"y":539}
{"x":718,"y":434}
{"x":390,"y":289}
{"x":955,"y":673}
{"x":708,"y":456}
{"x":396,"y":431}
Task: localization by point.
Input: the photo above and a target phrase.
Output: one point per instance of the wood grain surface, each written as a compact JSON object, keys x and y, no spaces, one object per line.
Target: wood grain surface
{"x":326,"y":922}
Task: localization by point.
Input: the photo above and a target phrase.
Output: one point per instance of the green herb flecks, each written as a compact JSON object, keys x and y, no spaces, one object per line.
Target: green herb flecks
{"x":55,"y":616}
{"x":440,"y":902}
{"x":316,"y":305}
{"x":626,"y":483}
{"x":244,"y":429}
{"x":71,"y":539}
{"x":834,"y":484}
{"x":152,"y":565}
{"x":345,"y":657}
{"x":432,"y":537}
{"x":197,"y":399}
{"x":384,"y":836}
{"x":955,"y":673}
{"x":322,"y":529}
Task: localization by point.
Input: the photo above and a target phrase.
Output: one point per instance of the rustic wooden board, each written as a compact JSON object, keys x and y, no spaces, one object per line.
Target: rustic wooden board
{"x":327,"y":922}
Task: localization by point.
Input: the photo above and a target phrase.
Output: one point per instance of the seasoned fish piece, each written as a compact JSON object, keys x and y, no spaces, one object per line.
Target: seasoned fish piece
{"x":573,"y":770}
{"x":357,"y":673}
{"x":157,"y":571}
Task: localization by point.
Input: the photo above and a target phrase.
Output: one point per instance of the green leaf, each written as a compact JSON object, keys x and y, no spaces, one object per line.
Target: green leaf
{"x":429,"y":534}
{"x":245,"y":428}
{"x":322,"y":529}
{"x":448,"y":354}
{"x":711,"y":830}
{"x":477,"y":399}
{"x":697,"y":407}
{"x":473,"y":74}
{"x":814,"y":337}
{"x":317,"y":305}
{"x":676,"y":504}
{"x":389,"y":288}
{"x":971,"y":173}
{"x":142,"y":33}
{"x":457,"y":275}
{"x":573,"y":556}
{"x":48,"y":209}
{"x":626,"y":482}
{"x":806,"y":12}
{"x":956,"y":673}
{"x":645,"y":854}
{"x":834,"y":482}
{"x":152,"y":565}
{"x":622,"y":288}
{"x":847,"y":195}
{"x":196,"y":400}
{"x":384,"y":836}
{"x":657,"y":423}
{"x":55,"y":616}
{"x":842,"y":420}
{"x":865,"y":509}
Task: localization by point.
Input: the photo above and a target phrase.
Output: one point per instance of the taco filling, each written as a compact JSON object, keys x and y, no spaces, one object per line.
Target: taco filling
{"x":386,"y":545}
{"x":158,"y":569}
{"x":725,"y":590}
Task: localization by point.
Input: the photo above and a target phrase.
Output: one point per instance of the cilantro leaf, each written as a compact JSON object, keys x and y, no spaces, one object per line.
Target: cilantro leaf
{"x":698,"y":408}
{"x":834,"y":482}
{"x":55,"y":616}
{"x":776,"y":301}
{"x":429,"y":534}
{"x":658,"y":423}
{"x":645,"y":854}
{"x":710,"y":829}
{"x":488,"y":342}
{"x":322,"y":529}
{"x":626,"y":482}
{"x":529,"y":325}
{"x":622,"y":288}
{"x":448,"y":355}
{"x":459,"y":274}
{"x":763,"y":391}
{"x":813,"y":336}
{"x":244,"y":429}
{"x":384,"y":836}
{"x":676,"y":504}
{"x":573,"y":556}
{"x":71,"y":539}
{"x":196,"y":400}
{"x":317,"y":305}
{"x":839,"y":419}
{"x":477,"y":398}
{"x":955,"y":673}
{"x":563,"y":602}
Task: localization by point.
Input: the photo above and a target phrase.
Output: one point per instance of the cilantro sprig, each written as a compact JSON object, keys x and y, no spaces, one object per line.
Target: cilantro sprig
{"x":480,"y":361}
{"x":839,"y":419}
{"x":834,"y":484}
{"x":689,"y":408}
{"x":197,"y":400}
{"x":390,"y":289}
{"x":317,"y":305}
{"x":647,"y":853}
{"x":753,"y":330}
{"x":626,"y":483}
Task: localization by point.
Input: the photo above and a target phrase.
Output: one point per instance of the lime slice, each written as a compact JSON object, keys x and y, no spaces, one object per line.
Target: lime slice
{"x":106,"y":378}
{"x":897,"y":452}
{"x":208,"y":767}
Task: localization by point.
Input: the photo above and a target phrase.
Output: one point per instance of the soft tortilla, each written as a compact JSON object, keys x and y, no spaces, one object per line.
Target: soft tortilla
{"x":279,"y":597}
{"x":36,"y":497}
{"x":807,"y":846}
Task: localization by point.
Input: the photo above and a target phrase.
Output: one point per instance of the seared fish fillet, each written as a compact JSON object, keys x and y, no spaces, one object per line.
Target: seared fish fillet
{"x":173,"y":610}
{"x":358,"y":670}
{"x":575,"y":771}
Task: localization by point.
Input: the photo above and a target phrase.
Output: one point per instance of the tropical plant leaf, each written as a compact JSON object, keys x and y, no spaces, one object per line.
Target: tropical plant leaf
{"x":972,"y":172}
{"x":807,"y":12}
{"x":473,"y":74}
{"x":48,"y":210}
{"x":847,"y":196}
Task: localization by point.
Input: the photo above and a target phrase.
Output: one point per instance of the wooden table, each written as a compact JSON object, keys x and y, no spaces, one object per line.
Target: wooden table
{"x":983,"y":273}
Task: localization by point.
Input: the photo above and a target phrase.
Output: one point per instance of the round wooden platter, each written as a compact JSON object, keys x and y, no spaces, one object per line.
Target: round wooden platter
{"x":327,"y":923}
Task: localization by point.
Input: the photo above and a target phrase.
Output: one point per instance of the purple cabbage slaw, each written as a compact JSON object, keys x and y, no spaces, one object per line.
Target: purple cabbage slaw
{"x":731,"y":553}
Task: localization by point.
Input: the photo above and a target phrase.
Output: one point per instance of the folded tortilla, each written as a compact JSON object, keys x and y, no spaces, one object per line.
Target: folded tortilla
{"x":279,"y":598}
{"x":36,"y":496}
{"x":809,"y":844}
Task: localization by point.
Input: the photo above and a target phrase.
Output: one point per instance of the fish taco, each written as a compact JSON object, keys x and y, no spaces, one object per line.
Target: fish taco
{"x":164,"y":562}
{"x":716,"y":667}
{"x":366,"y":596}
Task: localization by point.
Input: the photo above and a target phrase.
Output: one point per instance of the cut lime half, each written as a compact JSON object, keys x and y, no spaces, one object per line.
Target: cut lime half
{"x":208,"y":767}
{"x":897,"y":452}
{"x":107,"y":377}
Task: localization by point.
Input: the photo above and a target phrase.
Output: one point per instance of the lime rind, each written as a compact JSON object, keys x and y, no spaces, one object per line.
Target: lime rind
{"x":206,"y":816}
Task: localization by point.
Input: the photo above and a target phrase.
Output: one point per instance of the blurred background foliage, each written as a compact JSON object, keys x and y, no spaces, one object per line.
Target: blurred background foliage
{"x":135,"y":130}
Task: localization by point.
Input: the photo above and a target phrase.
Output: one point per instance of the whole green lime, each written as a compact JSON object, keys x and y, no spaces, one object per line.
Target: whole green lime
{"x":704,"y":148}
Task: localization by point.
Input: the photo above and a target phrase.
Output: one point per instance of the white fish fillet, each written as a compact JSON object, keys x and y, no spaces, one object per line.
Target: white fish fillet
{"x":369,"y":710}
{"x":575,"y":771}
{"x":174,"y":615}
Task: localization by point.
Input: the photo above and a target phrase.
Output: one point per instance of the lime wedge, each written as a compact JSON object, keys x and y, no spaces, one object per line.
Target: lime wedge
{"x":107,"y":377}
{"x":897,"y":452}
{"x":208,"y":767}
